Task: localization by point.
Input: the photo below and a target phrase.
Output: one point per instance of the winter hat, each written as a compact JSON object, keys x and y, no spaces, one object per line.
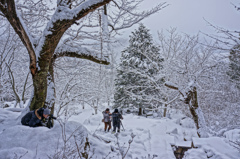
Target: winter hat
{"x":116,"y":111}
{"x":107,"y":109}
{"x":46,"y":111}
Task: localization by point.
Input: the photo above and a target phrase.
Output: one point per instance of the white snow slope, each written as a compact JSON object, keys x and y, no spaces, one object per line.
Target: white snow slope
{"x":154,"y":137}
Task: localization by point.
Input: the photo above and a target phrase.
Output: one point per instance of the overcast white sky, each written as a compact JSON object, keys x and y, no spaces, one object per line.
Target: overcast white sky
{"x":188,"y":15}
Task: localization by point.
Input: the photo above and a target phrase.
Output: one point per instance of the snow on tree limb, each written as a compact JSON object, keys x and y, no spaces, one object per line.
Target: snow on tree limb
{"x":80,"y":52}
{"x":81,"y":11}
{"x":63,"y":18}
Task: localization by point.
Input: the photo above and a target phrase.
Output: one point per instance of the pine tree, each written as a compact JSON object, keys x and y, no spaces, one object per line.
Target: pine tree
{"x":140,"y":63}
{"x":234,"y":66}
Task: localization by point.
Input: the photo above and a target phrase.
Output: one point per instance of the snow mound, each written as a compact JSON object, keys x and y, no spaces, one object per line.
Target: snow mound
{"x":213,"y":147}
{"x":40,"y":142}
{"x":153,"y":137}
{"x":37,"y":142}
{"x":233,"y":135}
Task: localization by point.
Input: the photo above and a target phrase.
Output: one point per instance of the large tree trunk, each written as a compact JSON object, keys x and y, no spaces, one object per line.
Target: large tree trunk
{"x":40,"y":90}
{"x":41,"y":66}
{"x":44,"y":88}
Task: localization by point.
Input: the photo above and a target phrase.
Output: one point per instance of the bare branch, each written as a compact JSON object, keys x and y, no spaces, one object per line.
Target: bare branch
{"x":24,"y":87}
{"x":170,"y":86}
{"x":10,"y":73}
{"x":125,"y":16}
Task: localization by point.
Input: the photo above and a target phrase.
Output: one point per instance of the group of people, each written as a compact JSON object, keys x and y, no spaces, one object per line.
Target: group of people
{"x":114,"y":117}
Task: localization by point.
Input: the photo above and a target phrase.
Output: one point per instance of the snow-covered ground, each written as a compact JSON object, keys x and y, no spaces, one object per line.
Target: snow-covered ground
{"x":153,"y":137}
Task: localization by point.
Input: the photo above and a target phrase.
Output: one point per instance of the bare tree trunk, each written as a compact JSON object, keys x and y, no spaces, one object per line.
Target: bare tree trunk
{"x":140,"y":111}
{"x":197,"y":114}
{"x":17,"y":98}
{"x":165,"y":110}
{"x":24,"y":88}
{"x":193,"y":105}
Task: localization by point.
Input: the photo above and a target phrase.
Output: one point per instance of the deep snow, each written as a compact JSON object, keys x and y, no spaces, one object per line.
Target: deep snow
{"x":154,"y":137}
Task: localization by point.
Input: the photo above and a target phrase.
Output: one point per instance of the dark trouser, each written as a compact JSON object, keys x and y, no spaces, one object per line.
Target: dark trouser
{"x":107,"y":124}
{"x":24,"y":123}
{"x":116,"y":125}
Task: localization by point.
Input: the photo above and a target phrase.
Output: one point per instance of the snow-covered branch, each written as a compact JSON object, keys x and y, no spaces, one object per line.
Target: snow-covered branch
{"x":79,"y":52}
{"x":126,"y":15}
{"x":225,"y":39}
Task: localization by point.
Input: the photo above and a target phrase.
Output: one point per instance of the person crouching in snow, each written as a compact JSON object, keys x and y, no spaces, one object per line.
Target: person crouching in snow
{"x":106,"y":119}
{"x":34,"y":118}
{"x":116,"y":120}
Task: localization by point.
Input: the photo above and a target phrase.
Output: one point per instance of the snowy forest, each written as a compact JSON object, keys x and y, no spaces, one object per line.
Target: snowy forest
{"x":178,"y":94}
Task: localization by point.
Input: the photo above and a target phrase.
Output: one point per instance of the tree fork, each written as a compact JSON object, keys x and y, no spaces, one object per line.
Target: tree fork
{"x":43,"y":77}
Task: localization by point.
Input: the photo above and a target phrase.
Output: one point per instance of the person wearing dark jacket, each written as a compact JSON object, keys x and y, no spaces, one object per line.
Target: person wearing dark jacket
{"x":116,"y":120}
{"x":106,"y":119}
{"x":34,"y":118}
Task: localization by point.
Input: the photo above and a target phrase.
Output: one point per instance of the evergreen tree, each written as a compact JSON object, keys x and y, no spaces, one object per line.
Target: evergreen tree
{"x":234,"y":66}
{"x":140,"y":63}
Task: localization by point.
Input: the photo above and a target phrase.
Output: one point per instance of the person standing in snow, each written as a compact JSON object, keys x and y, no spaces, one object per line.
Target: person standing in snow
{"x":116,"y":120}
{"x":34,"y":118}
{"x":106,"y":119}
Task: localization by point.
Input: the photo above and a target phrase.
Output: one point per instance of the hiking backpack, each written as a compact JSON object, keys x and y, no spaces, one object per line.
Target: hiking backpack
{"x":116,"y":117}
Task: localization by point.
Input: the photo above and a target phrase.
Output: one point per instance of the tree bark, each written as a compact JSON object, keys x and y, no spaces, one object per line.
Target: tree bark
{"x":197,"y":114}
{"x":193,"y":106}
{"x":140,"y":111}
{"x":44,"y":89}
{"x":40,"y":89}
{"x":165,"y":110}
